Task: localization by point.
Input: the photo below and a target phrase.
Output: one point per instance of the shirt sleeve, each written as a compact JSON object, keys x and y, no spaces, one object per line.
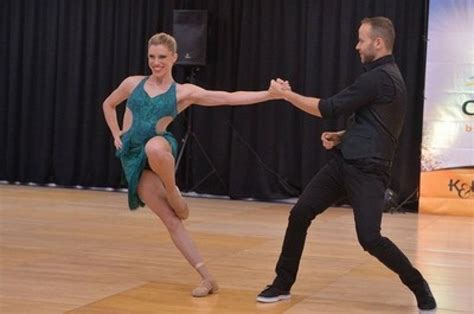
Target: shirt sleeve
{"x":362,"y":92}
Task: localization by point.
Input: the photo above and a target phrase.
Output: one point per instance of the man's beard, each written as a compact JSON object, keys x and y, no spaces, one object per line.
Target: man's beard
{"x":368,"y":58}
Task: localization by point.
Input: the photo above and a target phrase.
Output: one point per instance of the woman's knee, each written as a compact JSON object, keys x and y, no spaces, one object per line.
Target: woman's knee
{"x":157,"y":152}
{"x":172,"y":223}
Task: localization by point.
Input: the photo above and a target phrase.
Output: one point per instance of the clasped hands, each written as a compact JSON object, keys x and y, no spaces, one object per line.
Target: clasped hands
{"x":278,"y":88}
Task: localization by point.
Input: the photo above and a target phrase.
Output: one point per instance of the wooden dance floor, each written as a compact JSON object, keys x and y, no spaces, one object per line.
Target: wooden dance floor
{"x":78,"y":251}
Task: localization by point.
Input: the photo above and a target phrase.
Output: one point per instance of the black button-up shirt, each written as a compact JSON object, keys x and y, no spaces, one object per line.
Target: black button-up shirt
{"x":377,"y":102}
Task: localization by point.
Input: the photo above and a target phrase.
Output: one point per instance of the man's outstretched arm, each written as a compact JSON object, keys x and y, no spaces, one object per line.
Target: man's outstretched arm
{"x":305,"y":103}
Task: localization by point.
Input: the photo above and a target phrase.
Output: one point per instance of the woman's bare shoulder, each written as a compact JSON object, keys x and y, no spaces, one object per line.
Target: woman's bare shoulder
{"x":134,"y":79}
{"x":185,"y":86}
{"x":131,"y":82}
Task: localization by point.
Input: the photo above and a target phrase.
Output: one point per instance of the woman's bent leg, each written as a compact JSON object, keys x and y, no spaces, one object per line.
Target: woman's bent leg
{"x":161,"y":161}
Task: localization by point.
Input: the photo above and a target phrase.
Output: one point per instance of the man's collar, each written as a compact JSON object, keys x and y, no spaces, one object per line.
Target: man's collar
{"x":383,"y":60}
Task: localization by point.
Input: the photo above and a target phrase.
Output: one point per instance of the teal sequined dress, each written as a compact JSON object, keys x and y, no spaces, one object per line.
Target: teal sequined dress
{"x":146,"y":112}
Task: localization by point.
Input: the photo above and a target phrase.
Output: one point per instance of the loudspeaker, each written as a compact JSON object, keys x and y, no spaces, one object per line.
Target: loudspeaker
{"x":190,"y":32}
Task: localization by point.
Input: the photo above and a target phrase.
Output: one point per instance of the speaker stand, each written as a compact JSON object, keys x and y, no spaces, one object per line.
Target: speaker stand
{"x":191,"y":78}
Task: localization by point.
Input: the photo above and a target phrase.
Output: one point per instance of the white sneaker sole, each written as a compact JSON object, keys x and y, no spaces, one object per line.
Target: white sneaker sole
{"x":274,"y":299}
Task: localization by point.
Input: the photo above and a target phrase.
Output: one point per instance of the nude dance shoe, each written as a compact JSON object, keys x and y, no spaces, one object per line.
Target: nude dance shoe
{"x":205,"y":288}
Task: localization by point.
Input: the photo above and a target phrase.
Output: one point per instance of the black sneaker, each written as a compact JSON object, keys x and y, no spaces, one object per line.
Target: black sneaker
{"x":424,"y":297}
{"x":272,"y":294}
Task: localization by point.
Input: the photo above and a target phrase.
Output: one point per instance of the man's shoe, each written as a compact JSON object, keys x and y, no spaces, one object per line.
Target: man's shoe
{"x":424,"y":297}
{"x":272,"y":294}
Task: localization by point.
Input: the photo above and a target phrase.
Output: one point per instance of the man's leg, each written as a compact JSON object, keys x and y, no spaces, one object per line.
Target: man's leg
{"x":322,"y":191}
{"x":366,"y":189}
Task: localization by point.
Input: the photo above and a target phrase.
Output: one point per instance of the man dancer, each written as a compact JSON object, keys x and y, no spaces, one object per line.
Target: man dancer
{"x":361,"y":169}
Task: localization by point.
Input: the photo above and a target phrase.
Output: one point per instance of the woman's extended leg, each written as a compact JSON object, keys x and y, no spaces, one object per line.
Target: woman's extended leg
{"x":153,"y":193}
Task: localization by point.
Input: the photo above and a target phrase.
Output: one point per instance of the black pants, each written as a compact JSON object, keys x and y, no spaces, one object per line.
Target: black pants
{"x":363,"y":182}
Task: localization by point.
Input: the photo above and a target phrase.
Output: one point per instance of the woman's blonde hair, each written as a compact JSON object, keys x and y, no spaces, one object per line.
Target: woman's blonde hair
{"x":163,"y":39}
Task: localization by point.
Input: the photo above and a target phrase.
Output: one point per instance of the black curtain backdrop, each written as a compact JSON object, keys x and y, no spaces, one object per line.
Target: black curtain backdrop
{"x":60,"y":59}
